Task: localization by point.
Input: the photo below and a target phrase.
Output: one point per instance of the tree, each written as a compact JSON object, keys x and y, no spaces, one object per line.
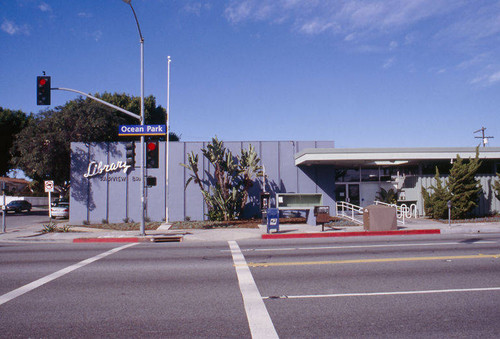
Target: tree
{"x":461,"y":188}
{"x":226,"y":192}
{"x":389,"y":196}
{"x":496,"y":187}
{"x":42,"y":149}
{"x":436,"y":199}
{"x":464,"y":187}
{"x":11,"y":123}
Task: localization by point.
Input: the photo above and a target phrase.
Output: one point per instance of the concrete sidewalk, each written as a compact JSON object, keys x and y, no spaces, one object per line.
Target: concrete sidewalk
{"x":86,"y":234}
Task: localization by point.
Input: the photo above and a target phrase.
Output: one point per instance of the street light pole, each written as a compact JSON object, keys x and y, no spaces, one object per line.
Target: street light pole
{"x":143,"y":199}
{"x":167,"y":121}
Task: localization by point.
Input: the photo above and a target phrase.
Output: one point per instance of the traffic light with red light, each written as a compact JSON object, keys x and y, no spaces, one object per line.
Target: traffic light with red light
{"x":43,"y":90}
{"x":152,"y":154}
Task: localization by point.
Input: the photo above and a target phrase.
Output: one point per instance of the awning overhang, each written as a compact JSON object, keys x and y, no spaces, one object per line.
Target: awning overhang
{"x":352,"y":157}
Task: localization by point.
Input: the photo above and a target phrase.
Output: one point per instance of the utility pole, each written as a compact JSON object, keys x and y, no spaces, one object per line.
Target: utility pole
{"x":484,"y":139}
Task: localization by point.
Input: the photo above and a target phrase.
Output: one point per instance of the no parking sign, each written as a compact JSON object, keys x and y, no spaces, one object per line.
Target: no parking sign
{"x":49,"y":186}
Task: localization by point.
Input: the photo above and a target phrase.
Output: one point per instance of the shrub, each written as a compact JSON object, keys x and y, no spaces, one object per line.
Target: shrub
{"x":226,"y":193}
{"x":50,"y":227}
{"x":461,"y":188}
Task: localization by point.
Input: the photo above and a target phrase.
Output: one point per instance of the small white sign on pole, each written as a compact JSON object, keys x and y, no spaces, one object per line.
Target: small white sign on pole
{"x":49,"y":188}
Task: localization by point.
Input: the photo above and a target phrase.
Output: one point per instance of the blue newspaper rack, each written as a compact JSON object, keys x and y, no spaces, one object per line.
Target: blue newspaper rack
{"x":273,"y":219}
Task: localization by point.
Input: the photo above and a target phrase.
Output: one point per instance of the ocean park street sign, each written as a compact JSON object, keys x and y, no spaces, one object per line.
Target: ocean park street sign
{"x":138,"y":130}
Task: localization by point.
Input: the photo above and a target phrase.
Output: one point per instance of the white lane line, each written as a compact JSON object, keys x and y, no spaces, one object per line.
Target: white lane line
{"x":368,"y":294}
{"x":365,"y":246}
{"x":42,"y":281}
{"x":259,"y":321}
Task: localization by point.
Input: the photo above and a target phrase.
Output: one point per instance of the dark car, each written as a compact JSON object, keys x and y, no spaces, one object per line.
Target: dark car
{"x":18,"y":206}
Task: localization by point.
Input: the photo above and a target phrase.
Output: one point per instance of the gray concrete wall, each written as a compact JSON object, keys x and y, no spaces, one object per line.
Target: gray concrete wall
{"x":115,"y":196}
{"x":488,"y":203}
{"x":277,"y":157}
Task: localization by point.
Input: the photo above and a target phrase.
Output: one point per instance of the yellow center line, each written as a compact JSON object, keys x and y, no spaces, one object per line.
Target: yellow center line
{"x":361,"y":261}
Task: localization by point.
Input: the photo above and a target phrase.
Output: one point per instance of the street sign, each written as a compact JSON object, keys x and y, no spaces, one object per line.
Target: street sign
{"x":49,"y":186}
{"x":138,"y":130}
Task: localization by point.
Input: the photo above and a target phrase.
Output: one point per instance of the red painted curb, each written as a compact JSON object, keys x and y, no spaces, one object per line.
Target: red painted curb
{"x":347,"y":234}
{"x":87,"y":240}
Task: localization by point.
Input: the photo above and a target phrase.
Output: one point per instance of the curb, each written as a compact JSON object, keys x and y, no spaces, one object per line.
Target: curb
{"x":109,"y":240}
{"x":167,"y":238}
{"x":348,"y":234}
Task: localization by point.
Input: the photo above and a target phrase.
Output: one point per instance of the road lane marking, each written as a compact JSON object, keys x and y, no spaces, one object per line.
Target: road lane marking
{"x":42,"y":281}
{"x":361,"y":246}
{"x":259,"y":321}
{"x":380,"y":260}
{"x":369,"y":294}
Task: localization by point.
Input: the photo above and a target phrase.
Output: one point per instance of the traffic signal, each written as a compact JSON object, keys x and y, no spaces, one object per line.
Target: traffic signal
{"x":151,"y":181}
{"x":130,"y":152}
{"x":152,"y":154}
{"x":43,"y":90}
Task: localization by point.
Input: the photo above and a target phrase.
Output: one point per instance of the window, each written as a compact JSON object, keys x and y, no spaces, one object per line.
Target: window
{"x":369,"y":174}
{"x":347,"y":175}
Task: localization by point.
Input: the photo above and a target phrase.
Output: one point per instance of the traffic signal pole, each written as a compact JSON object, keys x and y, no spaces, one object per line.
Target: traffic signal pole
{"x":43,"y":98}
{"x":141,"y":120}
{"x":133,"y":115}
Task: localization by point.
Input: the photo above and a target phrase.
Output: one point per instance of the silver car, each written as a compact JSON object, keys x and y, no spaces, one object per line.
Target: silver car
{"x":60,"y":210}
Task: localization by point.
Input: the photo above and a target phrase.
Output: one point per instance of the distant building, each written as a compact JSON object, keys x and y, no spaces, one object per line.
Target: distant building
{"x":103,"y":190}
{"x":361,"y":172}
{"x":15,"y":186}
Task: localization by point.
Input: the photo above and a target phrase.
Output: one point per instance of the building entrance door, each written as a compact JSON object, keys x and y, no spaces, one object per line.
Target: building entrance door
{"x":348,"y":193}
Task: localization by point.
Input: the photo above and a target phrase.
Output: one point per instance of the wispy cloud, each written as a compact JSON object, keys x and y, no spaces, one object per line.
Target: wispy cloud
{"x":11,"y":28}
{"x":85,"y":15}
{"x":97,"y":35}
{"x":473,"y":61}
{"x":196,"y":7}
{"x":457,"y":28}
{"x":488,"y":78}
{"x":477,"y":23}
{"x":344,"y":17}
{"x":388,"y":63}
{"x":44,"y":7}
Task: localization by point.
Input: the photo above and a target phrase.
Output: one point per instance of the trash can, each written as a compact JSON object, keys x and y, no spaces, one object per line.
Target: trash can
{"x":273,"y":219}
{"x":379,"y":218}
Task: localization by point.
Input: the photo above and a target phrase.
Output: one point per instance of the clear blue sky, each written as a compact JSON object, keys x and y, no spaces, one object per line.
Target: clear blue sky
{"x":389,"y":73}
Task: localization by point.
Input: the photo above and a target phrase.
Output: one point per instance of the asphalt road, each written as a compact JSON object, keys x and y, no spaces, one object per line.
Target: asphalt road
{"x":413,"y":286}
{"x":19,"y":221}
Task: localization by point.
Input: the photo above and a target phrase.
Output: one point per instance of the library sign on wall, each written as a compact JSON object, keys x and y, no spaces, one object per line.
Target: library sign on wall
{"x":96,"y":168}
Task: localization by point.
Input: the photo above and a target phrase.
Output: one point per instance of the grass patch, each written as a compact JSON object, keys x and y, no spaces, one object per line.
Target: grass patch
{"x":129,"y":226}
{"x":182,"y":225}
{"x":205,"y":224}
{"x":495,"y":218}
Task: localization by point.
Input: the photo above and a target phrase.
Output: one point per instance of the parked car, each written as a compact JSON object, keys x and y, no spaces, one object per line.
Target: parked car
{"x":60,"y":210}
{"x":58,"y":200}
{"x":18,"y":206}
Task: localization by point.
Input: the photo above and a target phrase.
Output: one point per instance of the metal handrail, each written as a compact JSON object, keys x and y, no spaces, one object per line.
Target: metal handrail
{"x":343,"y":207}
{"x":348,"y":210}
